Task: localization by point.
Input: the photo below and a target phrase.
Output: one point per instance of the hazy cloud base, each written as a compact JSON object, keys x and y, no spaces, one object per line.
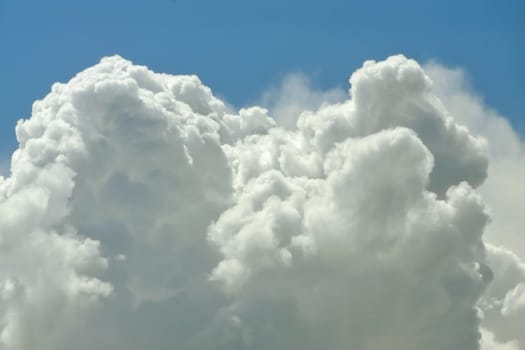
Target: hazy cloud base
{"x":142,"y":212}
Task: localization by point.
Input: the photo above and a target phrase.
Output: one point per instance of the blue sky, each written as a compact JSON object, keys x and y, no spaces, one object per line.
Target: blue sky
{"x":241,"y":47}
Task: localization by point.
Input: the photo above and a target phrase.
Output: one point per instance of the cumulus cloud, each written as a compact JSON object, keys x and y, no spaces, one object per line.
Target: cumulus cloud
{"x":503,"y":193}
{"x":490,"y":343}
{"x":503,"y":190}
{"x":142,"y":212}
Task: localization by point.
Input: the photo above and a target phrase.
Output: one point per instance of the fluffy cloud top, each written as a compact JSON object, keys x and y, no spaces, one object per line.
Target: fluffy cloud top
{"x":141,"y":212}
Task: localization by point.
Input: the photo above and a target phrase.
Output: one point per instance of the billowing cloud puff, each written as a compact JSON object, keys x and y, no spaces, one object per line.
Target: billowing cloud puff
{"x":141,"y":212}
{"x":489,"y":343}
{"x":505,"y":197}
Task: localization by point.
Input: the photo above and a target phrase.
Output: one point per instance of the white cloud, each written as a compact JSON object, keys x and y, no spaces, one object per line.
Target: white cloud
{"x":503,"y":190}
{"x":490,"y":343}
{"x":504,"y":194}
{"x":514,"y":300}
{"x":143,"y":213}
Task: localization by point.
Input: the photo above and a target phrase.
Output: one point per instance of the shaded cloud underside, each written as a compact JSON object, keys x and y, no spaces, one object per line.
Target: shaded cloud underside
{"x":141,"y":212}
